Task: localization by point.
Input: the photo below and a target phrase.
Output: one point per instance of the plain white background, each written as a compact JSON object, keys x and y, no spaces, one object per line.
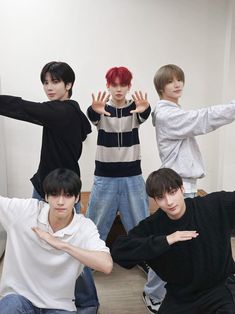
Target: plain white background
{"x":94,"y":35}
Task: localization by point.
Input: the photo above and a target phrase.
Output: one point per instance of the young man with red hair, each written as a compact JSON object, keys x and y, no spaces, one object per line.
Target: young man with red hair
{"x":118,"y":183}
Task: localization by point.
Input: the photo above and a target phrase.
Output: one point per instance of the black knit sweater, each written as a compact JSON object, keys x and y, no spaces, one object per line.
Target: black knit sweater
{"x":188,"y":267}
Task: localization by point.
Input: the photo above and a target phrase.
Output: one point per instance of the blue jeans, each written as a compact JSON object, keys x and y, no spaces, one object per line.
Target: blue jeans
{"x":17,"y":304}
{"x":155,"y":287}
{"x":85,"y":290}
{"x":125,"y":195}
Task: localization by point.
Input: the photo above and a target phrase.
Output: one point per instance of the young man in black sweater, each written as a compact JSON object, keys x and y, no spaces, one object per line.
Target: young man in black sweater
{"x":187,"y":243}
{"x":65,"y":127}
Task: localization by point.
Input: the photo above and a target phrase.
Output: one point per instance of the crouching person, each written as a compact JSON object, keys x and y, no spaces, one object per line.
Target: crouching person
{"x":187,"y":243}
{"x":48,"y":245}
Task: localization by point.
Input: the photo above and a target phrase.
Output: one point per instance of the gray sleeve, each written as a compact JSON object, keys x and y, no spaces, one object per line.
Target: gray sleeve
{"x":178,"y":123}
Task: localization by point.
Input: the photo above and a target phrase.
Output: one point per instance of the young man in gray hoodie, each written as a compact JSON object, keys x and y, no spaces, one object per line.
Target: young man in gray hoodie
{"x":176,"y":130}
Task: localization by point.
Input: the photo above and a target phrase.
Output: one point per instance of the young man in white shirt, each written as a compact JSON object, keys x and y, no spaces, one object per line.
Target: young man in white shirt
{"x":47,"y":248}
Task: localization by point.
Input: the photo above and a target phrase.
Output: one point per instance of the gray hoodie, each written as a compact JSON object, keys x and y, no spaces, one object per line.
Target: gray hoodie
{"x":176,"y":130}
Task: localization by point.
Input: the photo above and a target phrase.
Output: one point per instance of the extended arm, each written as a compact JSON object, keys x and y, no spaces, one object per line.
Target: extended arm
{"x":178,"y":123}
{"x":49,"y":113}
{"x":97,"y":260}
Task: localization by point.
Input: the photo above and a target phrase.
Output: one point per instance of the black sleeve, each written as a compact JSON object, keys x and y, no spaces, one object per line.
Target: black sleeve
{"x":92,"y":115}
{"x":227,"y":203}
{"x":139,"y":245}
{"x":219,"y":208}
{"x":144,"y":115}
{"x":45,"y":113}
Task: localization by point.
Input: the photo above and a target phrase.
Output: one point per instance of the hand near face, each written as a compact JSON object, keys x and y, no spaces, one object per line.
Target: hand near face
{"x":98,"y":104}
{"x":46,"y":236}
{"x":141,"y":102}
{"x":181,"y":236}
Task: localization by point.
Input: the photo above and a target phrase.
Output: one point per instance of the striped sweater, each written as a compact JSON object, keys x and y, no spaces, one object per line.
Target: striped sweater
{"x":118,"y":144}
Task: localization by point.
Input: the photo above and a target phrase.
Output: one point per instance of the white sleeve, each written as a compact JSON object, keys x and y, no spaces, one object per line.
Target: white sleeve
{"x":178,"y":123}
{"x":93,"y":241}
{"x":11,"y":209}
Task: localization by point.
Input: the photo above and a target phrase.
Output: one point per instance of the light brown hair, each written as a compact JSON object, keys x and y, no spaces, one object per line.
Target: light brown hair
{"x":165,"y":74}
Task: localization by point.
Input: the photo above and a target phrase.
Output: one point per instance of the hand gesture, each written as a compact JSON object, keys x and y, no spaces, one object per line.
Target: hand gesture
{"x":181,"y":236}
{"x":98,"y":105}
{"x":141,"y":102}
{"x":50,"y":239}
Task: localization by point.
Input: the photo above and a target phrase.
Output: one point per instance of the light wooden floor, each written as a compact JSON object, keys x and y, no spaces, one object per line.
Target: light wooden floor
{"x":121,"y":291}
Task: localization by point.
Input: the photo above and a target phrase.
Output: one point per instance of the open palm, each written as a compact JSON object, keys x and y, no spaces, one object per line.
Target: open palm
{"x":98,"y":104}
{"x":141,"y":102}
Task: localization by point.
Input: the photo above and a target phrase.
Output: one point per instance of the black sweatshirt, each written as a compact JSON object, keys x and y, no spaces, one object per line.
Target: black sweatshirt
{"x":188,"y":267}
{"x":65,"y":127}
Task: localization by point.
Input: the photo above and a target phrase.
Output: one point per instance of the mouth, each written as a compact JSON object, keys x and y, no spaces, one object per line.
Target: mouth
{"x":60,"y":209}
{"x":172,"y":208}
{"x":51,"y":95}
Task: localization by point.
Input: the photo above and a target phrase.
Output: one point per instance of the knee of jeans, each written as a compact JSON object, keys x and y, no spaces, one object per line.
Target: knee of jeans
{"x":15,"y":303}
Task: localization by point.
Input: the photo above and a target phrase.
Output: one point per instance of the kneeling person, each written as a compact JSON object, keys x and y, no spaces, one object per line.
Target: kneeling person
{"x":187,"y":243}
{"x":47,"y":248}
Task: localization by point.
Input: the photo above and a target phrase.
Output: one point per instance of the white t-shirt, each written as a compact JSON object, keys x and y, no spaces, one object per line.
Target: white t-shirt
{"x":32,"y":268}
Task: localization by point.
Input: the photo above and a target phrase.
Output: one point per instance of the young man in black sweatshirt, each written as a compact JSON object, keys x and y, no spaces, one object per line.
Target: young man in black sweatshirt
{"x":187,"y":243}
{"x":65,"y":127}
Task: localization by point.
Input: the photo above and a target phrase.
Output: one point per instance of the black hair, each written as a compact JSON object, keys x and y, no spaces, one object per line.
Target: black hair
{"x":161,"y":181}
{"x":60,"y":71}
{"x":62,"y":180}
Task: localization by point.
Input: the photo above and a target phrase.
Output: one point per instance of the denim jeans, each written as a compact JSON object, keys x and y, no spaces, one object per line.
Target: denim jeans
{"x":17,"y":304}
{"x":155,"y":287}
{"x":85,"y":290}
{"x":125,"y":195}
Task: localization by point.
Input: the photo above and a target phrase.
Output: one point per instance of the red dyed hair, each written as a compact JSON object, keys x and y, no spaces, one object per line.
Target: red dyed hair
{"x":122,"y":73}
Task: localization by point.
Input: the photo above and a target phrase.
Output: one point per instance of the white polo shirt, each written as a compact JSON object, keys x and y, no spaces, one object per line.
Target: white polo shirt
{"x":32,"y":268}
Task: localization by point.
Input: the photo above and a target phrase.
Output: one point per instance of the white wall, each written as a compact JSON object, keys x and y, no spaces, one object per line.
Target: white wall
{"x":3,"y":172}
{"x":93,"y":36}
{"x":226,"y":179}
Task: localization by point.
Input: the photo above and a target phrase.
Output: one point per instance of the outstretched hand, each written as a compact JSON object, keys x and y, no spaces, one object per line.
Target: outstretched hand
{"x":141,"y":102}
{"x":181,"y":236}
{"x":98,"y":104}
{"x":46,"y":236}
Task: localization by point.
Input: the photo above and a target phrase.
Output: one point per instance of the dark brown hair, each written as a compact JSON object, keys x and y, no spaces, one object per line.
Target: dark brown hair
{"x":161,"y":181}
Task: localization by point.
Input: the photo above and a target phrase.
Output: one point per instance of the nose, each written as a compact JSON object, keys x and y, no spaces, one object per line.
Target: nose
{"x":176,"y":83}
{"x":60,"y":200}
{"x":49,"y":86}
{"x":169,"y":200}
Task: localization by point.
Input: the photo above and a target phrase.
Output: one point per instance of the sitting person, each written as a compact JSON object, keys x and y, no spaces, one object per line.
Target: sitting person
{"x":47,"y":248}
{"x":187,"y":243}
